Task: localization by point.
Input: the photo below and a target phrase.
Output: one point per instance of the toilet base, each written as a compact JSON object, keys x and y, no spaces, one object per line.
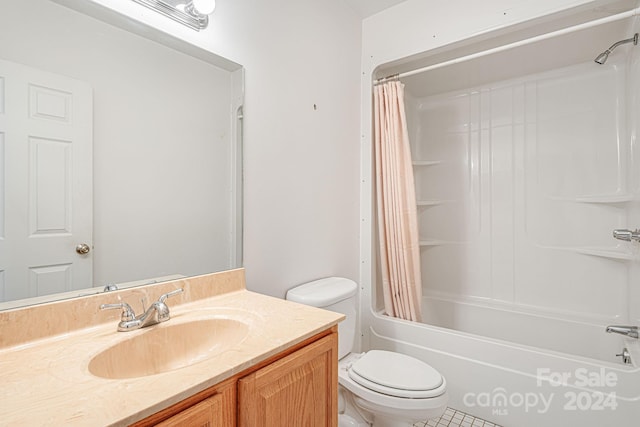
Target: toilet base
{"x":357,"y":412}
{"x":349,"y":415}
{"x":391,"y":417}
{"x":387,"y":422}
{"x":345,"y":420}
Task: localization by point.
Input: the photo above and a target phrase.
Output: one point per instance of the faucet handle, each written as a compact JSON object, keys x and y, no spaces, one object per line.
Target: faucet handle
{"x":627,"y":235}
{"x":127,"y":312}
{"x":163,"y":297}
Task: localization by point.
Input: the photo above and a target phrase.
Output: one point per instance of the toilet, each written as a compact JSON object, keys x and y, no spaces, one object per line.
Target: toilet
{"x":379,"y":388}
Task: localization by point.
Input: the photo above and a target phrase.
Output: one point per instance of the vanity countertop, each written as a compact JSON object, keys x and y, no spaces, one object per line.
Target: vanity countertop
{"x":46,"y":381}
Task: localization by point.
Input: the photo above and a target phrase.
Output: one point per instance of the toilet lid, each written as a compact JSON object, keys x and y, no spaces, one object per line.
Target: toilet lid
{"x":396,"y":374}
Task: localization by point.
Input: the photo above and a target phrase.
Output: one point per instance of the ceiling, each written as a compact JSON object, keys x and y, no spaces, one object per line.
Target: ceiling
{"x":367,"y":8}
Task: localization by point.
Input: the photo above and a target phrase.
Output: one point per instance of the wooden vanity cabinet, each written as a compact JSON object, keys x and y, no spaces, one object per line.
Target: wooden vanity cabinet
{"x":298,"y":387}
{"x":217,"y":410}
{"x":213,"y":407}
{"x":297,"y":390}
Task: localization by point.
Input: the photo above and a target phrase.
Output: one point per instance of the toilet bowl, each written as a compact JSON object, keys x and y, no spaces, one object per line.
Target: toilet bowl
{"x":379,"y":388}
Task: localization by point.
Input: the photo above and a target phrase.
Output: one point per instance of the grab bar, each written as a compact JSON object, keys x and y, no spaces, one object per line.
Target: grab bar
{"x":627,"y":235}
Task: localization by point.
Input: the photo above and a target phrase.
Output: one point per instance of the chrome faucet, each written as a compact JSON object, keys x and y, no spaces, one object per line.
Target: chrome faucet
{"x":158,"y":312}
{"x":630,"y":331}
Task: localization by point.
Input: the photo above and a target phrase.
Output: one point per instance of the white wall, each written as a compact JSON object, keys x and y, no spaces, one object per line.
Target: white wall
{"x":417,"y":26}
{"x":301,"y":131}
{"x":301,"y":176}
{"x":301,"y":194}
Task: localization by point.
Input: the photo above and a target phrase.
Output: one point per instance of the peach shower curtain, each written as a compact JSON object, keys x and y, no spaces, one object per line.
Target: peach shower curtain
{"x":396,"y":205}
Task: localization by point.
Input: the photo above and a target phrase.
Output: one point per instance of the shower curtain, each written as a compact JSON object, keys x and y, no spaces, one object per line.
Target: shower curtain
{"x":396,"y":205}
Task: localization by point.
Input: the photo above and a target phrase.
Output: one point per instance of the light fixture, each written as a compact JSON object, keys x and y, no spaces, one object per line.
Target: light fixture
{"x":192,"y":13}
{"x":205,"y":7}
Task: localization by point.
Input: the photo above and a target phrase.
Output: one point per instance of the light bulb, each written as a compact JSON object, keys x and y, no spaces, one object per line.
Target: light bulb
{"x":205,"y":7}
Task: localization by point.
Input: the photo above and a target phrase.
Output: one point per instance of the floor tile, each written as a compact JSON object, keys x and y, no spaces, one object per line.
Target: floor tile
{"x":455,"y":418}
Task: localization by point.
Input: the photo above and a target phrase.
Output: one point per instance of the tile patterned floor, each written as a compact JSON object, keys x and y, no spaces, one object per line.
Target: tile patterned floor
{"x":454,"y":418}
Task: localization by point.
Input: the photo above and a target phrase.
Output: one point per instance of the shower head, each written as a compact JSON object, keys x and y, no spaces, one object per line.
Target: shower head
{"x":602,"y":58}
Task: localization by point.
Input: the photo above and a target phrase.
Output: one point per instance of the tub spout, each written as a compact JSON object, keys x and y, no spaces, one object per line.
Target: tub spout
{"x":630,"y":331}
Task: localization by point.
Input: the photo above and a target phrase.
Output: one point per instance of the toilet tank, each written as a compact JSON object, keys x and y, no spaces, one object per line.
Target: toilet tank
{"x":334,"y":294}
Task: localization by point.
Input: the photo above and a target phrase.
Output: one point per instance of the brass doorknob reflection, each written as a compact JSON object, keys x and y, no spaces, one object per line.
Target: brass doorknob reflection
{"x":83,"y":249}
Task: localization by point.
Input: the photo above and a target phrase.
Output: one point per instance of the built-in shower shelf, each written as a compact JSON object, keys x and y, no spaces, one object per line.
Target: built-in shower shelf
{"x":426,"y":162}
{"x":426,"y":243}
{"x":605,"y":199}
{"x":602,"y":252}
{"x":605,"y":253}
{"x":428,"y":203}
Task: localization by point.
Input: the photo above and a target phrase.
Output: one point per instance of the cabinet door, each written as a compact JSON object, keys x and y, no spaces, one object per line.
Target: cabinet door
{"x":298,"y":390}
{"x":216,"y":411}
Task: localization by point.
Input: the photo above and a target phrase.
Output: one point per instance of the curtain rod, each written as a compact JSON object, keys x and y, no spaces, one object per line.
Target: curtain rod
{"x":382,"y":80}
{"x":552,"y":34}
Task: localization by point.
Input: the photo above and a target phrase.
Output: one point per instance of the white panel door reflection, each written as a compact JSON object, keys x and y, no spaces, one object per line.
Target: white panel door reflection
{"x":46,"y":139}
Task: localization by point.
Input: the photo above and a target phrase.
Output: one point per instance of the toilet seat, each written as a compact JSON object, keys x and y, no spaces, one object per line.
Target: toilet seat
{"x":397,"y":375}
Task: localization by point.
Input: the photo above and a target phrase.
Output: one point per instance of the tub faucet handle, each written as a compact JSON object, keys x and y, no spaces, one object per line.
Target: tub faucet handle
{"x":626,"y":235}
{"x":626,"y":356}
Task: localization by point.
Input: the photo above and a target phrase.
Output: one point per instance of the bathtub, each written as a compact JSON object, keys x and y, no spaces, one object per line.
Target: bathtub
{"x":553,"y":330}
{"x":514,"y":385}
{"x":525,"y":161}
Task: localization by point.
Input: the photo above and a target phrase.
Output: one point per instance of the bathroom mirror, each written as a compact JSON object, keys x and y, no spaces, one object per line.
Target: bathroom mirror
{"x":161,"y":184}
